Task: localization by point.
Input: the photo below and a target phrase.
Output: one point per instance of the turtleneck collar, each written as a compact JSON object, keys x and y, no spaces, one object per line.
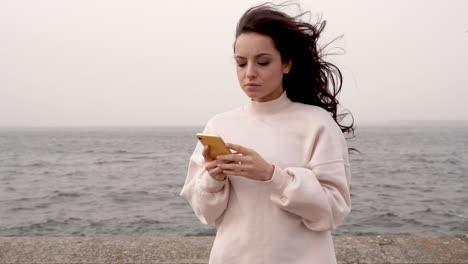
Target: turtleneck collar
{"x":270,"y":107}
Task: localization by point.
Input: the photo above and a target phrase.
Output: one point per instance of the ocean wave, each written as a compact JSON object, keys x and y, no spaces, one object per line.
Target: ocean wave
{"x":211,"y":232}
{"x":38,"y":206}
{"x":432,"y":159}
{"x":58,"y":194}
{"x":73,"y":173}
{"x":120,"y":151}
{"x":130,"y":196}
{"x":15,"y":209}
{"x":390,"y":186}
{"x":427,"y":210}
{"x":28,"y":199}
{"x":462,"y":228}
{"x":49,"y":226}
{"x":11,"y":171}
{"x":102,"y":162}
{"x":387,"y":215}
{"x":143,"y":157}
{"x":452,"y":161}
{"x":147,"y":221}
{"x":36,"y":164}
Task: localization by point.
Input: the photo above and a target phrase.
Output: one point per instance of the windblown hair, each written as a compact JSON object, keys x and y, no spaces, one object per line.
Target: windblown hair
{"x":311,"y":80}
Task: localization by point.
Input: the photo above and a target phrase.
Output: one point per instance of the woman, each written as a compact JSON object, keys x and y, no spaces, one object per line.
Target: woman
{"x":286,"y":185}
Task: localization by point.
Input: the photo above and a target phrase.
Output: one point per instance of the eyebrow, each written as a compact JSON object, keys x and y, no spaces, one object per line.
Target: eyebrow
{"x":256,"y":56}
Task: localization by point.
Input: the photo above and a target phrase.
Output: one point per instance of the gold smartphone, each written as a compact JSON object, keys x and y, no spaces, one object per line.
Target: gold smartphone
{"x":216,"y":143}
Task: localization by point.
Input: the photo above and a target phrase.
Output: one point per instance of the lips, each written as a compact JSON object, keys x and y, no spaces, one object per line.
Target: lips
{"x":251,"y":85}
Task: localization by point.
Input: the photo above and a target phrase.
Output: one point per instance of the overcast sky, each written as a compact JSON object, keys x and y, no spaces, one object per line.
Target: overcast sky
{"x":151,"y":63}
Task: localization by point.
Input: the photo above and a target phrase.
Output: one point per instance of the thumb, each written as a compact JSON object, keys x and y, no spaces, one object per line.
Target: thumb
{"x":206,"y":153}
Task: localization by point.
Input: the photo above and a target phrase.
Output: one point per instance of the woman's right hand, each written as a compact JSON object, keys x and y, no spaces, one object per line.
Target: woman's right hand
{"x":211,"y":166}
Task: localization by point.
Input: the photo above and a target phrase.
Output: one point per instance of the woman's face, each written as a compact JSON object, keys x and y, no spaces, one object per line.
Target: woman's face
{"x":259,"y":67}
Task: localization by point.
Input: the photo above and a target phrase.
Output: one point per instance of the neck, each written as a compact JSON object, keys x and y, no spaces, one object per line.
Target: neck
{"x":272,"y":96}
{"x":269,"y":107}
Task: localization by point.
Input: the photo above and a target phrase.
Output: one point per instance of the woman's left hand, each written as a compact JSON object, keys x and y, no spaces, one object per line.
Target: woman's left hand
{"x":249,"y":164}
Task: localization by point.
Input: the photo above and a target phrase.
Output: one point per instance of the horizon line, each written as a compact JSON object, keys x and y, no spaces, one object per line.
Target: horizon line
{"x":368,"y":123}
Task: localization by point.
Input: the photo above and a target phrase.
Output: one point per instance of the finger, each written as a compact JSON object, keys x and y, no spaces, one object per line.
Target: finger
{"x":215,"y":171}
{"x":219,"y":174}
{"x":232,"y":158}
{"x":235,"y":173}
{"x":231,"y":166}
{"x":209,"y":165}
{"x":238,"y":148}
{"x":235,"y":152}
{"x":205,"y":153}
{"x":220,"y":161}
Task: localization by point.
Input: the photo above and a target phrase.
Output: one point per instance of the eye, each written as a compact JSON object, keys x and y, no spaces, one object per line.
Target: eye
{"x":263,"y":63}
{"x":241,"y":64}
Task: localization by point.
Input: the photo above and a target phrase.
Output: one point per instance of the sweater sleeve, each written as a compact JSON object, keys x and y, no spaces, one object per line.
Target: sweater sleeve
{"x":318,"y":193}
{"x":207,"y":197}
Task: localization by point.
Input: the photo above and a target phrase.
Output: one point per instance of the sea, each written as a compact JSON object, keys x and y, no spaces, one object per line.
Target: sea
{"x":125,"y":181}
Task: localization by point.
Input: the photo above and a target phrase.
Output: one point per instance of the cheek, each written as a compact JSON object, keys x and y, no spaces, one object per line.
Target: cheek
{"x":240,"y":73}
{"x":273,"y":75}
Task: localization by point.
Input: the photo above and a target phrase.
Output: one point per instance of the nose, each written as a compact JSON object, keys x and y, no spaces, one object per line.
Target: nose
{"x":251,"y":70}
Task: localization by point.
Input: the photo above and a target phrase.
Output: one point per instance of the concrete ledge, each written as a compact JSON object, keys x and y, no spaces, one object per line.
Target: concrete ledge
{"x":180,"y":250}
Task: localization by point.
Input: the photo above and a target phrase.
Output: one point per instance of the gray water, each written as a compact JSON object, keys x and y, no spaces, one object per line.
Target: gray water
{"x":126,"y":182}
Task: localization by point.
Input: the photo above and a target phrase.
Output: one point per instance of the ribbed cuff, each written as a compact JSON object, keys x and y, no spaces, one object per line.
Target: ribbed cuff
{"x":209,"y":184}
{"x":279,"y":180}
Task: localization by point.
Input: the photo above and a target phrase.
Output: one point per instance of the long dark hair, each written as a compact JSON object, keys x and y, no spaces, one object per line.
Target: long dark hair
{"x":311,"y":80}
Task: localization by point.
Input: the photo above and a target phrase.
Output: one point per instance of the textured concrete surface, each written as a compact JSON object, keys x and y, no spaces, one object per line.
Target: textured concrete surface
{"x":178,"y":250}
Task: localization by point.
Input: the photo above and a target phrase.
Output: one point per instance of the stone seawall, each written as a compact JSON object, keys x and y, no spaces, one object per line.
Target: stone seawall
{"x":390,"y":249}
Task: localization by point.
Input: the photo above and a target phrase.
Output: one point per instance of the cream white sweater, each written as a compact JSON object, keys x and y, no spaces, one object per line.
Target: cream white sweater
{"x":287,"y":219}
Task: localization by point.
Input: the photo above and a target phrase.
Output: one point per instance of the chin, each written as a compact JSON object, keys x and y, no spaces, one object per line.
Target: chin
{"x":253,"y":94}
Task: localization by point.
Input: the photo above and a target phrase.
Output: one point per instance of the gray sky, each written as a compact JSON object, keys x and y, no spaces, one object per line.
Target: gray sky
{"x":150,"y":63}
